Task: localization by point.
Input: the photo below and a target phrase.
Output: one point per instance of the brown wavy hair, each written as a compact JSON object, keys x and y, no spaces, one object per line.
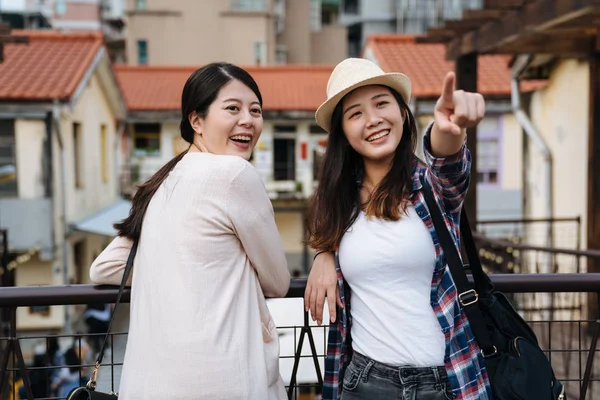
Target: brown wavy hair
{"x":334,"y":206}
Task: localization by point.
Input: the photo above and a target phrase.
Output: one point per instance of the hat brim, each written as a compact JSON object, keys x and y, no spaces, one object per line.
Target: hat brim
{"x":394,"y":80}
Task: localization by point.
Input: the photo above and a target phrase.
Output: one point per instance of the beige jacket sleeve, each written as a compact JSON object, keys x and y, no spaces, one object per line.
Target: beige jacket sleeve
{"x":251,"y":214}
{"x":109,"y":266}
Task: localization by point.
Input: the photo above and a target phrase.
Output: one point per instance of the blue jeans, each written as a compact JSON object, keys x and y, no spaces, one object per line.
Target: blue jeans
{"x":366,"y":379}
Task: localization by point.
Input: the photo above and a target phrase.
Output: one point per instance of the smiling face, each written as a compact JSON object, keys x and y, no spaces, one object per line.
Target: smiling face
{"x":372,"y":122}
{"x":232,"y":124}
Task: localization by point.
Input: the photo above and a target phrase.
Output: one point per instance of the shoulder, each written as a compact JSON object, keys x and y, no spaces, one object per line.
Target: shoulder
{"x":218,"y":168}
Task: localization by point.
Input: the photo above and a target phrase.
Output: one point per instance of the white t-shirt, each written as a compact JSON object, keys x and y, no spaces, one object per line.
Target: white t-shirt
{"x":389,"y":267}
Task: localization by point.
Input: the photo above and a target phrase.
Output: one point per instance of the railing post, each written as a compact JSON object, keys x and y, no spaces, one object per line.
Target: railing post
{"x":5,"y":327}
{"x":6,"y":363}
{"x":590,"y":360}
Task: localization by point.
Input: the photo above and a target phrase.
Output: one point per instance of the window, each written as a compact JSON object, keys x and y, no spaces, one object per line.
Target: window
{"x":146,"y":139}
{"x":354,"y":40}
{"x":248,"y":5}
{"x":315,"y":15}
{"x":61,"y":7}
{"x":328,"y":16}
{"x":140,"y":4}
{"x":142,"y":46}
{"x":487,"y":160}
{"x":77,"y":150}
{"x":285,"y":128}
{"x":104,"y":153}
{"x":8,"y":162}
{"x":351,"y":6}
{"x":284,"y":166}
{"x":281,"y":54}
{"x":260,"y":53}
{"x":489,"y":132}
{"x":43,"y":311}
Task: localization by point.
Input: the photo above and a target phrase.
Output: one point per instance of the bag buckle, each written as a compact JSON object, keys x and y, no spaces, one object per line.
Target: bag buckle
{"x":471,"y":297}
{"x":91,"y":385}
{"x":489,"y":355}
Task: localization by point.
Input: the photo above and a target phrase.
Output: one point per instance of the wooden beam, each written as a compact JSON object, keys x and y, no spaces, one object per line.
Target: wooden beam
{"x":433,"y":39}
{"x":466,"y":79}
{"x":461,"y":24}
{"x":440,"y":32}
{"x":593,"y":183}
{"x":436,"y":35}
{"x":535,"y":17}
{"x":502,"y":4}
{"x":551,"y":45}
{"x":482,"y":15}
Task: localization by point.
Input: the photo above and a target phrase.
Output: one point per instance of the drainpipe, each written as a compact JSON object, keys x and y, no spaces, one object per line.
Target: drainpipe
{"x":547,"y":300}
{"x":523,"y":119}
{"x":63,"y":189}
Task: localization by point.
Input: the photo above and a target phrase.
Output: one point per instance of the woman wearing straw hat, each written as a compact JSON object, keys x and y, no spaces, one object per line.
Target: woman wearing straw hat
{"x":377,"y":250}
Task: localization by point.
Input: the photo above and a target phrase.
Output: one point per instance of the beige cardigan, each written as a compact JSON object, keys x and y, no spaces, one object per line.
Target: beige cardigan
{"x":209,"y":249}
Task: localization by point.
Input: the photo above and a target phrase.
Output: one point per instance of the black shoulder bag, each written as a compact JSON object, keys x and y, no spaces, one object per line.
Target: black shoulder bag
{"x":88,"y":392}
{"x":517,"y":368}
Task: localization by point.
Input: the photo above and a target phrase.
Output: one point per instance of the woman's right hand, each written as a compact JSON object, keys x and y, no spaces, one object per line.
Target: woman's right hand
{"x":322,"y":282}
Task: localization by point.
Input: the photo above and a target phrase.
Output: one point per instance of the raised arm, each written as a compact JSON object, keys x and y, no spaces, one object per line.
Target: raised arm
{"x":251,"y":214}
{"x":445,"y":148}
{"x":108,"y":267}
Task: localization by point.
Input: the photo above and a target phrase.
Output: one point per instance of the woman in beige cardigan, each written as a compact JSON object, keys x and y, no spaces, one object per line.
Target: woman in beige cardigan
{"x":209,"y":252}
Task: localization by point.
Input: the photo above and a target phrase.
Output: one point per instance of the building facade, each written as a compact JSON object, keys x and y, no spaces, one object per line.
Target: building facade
{"x":245,"y":32}
{"x":59,"y":128}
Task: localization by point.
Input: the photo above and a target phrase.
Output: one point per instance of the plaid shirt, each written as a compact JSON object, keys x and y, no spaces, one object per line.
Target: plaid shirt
{"x":449,"y":180}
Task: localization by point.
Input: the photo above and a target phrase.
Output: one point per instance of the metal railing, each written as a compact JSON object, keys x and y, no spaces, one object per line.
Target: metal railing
{"x":580,"y":348}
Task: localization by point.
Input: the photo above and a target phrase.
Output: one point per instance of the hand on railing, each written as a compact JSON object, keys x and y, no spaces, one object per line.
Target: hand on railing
{"x":322,"y":282}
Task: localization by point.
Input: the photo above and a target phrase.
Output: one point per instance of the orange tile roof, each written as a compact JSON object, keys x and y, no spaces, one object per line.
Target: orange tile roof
{"x":49,"y":67}
{"x":290,"y":87}
{"x":426,"y":65}
{"x":302,"y":87}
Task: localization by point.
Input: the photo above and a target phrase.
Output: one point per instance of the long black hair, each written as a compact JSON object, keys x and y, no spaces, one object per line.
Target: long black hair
{"x":199,"y":92}
{"x":336,"y":203}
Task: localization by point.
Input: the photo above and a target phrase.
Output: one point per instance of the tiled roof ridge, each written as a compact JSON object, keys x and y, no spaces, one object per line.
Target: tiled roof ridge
{"x":187,"y":68}
{"x":58,"y":35}
{"x":396,"y":37}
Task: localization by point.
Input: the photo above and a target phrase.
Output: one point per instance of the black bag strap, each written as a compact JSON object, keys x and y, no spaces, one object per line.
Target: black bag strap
{"x":467,"y":296}
{"x":92,"y":383}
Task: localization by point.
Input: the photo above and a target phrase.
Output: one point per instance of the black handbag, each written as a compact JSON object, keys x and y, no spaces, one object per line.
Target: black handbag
{"x":517,"y":367}
{"x":88,"y":392}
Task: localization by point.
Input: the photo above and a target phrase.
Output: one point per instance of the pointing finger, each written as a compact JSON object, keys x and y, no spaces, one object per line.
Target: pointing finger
{"x":448,"y":88}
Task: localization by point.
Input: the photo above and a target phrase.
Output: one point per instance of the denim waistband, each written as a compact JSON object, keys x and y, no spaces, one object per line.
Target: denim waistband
{"x":402,"y":374}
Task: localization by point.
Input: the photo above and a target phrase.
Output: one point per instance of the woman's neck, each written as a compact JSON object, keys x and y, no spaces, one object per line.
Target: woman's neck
{"x":375,"y":172}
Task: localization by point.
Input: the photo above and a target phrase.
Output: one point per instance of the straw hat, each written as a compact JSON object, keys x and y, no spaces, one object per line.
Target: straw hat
{"x":353,"y":73}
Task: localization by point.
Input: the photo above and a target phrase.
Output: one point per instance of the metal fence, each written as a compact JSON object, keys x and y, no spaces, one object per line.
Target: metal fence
{"x":306,"y":350}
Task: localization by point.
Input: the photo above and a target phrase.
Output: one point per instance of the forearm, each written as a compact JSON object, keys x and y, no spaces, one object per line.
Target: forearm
{"x":446,"y":144}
